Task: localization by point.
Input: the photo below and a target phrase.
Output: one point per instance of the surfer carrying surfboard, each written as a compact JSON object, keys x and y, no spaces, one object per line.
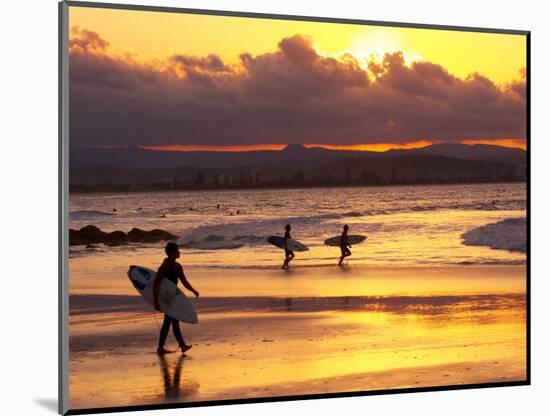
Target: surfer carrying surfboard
{"x":289,"y":254}
{"x":344,"y":245}
{"x":170,"y":269}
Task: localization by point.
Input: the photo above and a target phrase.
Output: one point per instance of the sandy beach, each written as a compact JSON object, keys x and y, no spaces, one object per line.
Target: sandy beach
{"x":357,"y":330}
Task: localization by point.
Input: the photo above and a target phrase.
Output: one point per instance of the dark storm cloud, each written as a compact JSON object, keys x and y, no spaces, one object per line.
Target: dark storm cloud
{"x":291,"y":95}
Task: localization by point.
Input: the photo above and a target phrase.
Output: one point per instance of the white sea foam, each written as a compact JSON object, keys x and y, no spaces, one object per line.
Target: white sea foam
{"x":509,"y":234}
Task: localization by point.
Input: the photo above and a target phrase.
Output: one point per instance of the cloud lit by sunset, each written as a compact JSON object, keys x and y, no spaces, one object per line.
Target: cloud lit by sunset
{"x":179,"y":87}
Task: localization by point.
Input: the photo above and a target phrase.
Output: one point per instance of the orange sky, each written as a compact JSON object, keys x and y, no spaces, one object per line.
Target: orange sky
{"x":156,"y":35}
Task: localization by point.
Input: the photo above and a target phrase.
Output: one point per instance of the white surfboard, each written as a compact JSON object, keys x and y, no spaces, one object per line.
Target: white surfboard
{"x":291,"y":244}
{"x":173,"y":301}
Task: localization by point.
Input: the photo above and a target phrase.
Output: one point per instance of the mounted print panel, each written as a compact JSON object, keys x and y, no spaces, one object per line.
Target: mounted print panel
{"x":262,"y":208}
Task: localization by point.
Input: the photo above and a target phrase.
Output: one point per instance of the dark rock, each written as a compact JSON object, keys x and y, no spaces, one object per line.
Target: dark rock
{"x":116,"y":238}
{"x":90,"y":235}
{"x":86,"y":235}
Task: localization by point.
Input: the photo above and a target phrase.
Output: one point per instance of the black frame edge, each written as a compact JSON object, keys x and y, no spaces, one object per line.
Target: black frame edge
{"x":528,"y":203}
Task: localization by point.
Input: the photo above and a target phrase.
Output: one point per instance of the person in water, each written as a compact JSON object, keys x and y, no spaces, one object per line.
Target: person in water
{"x":170,"y":269}
{"x":344,"y":245}
{"x":289,"y":254}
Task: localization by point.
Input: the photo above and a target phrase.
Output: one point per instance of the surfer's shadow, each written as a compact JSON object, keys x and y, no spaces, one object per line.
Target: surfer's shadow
{"x":175,"y":385}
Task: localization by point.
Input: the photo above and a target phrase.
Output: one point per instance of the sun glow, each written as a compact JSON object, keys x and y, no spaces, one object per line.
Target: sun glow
{"x":517,"y":143}
{"x":375,"y":147}
{"x":497,"y":56}
{"x":370,"y":147}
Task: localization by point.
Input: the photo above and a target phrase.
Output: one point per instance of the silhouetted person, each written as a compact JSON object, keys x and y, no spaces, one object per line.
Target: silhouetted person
{"x":170,"y":269}
{"x":344,"y":245}
{"x":289,"y":254}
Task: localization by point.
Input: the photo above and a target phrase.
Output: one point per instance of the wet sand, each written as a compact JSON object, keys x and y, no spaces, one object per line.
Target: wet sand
{"x":108,"y":276}
{"x":388,"y":334}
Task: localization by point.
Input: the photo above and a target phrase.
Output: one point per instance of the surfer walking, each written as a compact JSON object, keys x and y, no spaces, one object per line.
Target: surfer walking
{"x":170,"y":269}
{"x":344,"y":245}
{"x":289,"y":254}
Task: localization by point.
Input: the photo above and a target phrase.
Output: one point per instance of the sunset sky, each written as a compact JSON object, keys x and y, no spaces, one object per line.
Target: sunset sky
{"x":177,"y":81}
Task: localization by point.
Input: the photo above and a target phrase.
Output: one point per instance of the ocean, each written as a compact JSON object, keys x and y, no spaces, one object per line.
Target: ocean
{"x":405,"y":225}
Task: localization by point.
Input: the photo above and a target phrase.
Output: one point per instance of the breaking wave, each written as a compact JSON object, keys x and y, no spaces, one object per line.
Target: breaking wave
{"x":88,"y":214}
{"x":509,"y":234}
{"x":218,"y":242}
{"x":228,"y":236}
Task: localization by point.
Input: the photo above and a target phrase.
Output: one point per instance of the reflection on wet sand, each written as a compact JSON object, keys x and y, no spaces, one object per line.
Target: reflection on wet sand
{"x":172,"y":379}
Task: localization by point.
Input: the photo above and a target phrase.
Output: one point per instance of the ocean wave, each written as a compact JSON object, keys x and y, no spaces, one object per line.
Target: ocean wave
{"x":353,"y":214}
{"x":218,"y":242}
{"x":88,"y":214}
{"x":509,"y":234}
{"x":250,"y":233}
{"x":452,"y":205}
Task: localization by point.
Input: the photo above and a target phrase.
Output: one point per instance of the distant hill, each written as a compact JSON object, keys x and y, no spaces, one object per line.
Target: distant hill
{"x":140,"y":169}
{"x":138,"y":158}
{"x":471,"y":152}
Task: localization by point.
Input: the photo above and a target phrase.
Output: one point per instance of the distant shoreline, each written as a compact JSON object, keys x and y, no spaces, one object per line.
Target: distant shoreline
{"x":280,"y":187}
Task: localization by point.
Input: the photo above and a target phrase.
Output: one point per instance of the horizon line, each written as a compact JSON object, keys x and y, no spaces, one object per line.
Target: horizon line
{"x":373,"y":147}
